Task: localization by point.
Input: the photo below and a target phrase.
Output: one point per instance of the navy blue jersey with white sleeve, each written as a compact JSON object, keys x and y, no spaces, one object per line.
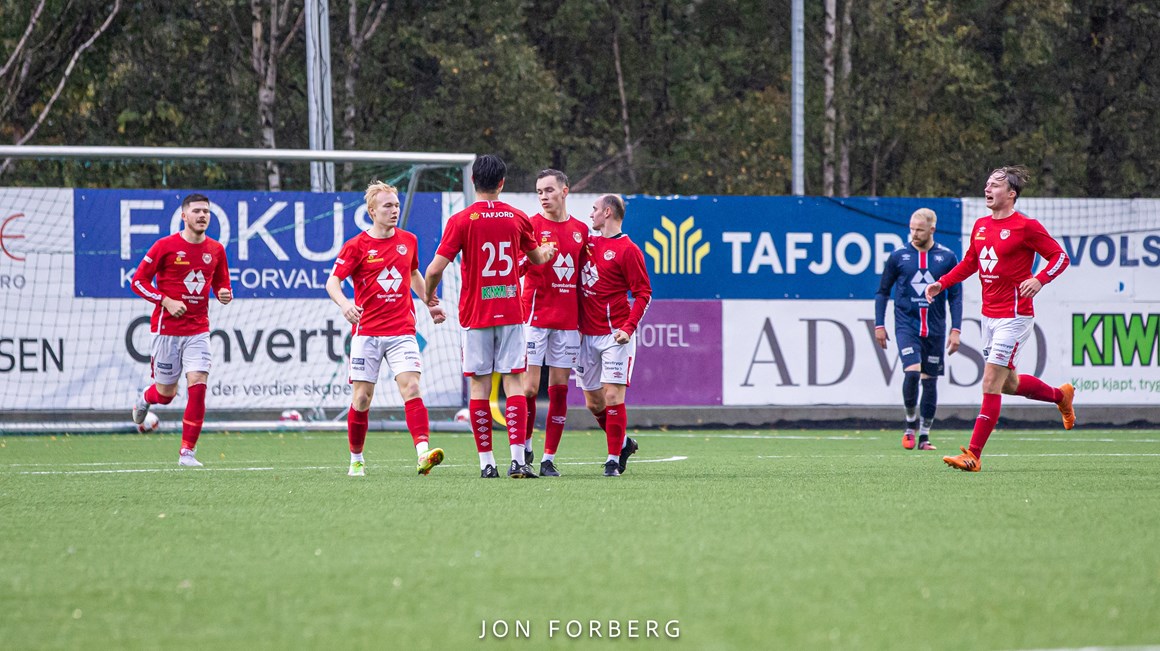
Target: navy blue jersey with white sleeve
{"x":907,"y":273}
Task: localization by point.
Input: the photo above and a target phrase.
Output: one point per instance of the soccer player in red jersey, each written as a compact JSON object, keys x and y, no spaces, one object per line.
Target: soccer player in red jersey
{"x":187,"y":265}
{"x":383,"y":265}
{"x":1002,"y":251}
{"x":612,"y":267}
{"x":491,"y":235}
{"x":551,"y":313}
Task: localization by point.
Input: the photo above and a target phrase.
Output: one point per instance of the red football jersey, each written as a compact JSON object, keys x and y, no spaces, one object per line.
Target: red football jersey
{"x":185,"y":272}
{"x":611,"y":268}
{"x":380,"y":270}
{"x":491,"y":235}
{"x":550,"y":299}
{"x":1003,"y":252}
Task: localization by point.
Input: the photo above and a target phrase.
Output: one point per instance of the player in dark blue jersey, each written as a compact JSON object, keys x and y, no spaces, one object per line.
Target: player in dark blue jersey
{"x":919,"y":325}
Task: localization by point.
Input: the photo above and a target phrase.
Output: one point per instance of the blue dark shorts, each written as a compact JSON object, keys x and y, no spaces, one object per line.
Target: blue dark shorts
{"x":930,"y":352}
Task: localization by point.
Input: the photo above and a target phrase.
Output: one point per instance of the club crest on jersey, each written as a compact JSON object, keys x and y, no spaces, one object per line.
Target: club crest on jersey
{"x":608,"y":255}
{"x":402,"y":249}
{"x":1004,"y":234}
{"x":206,"y":258}
{"x":576,"y":236}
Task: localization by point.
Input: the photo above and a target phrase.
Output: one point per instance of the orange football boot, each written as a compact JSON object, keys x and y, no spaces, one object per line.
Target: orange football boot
{"x":1065,"y":406}
{"x":908,"y":440}
{"x":966,"y":461}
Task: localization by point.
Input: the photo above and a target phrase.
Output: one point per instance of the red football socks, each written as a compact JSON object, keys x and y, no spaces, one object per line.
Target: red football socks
{"x":602,"y":419}
{"x":154,"y":398}
{"x":480,"y":411}
{"x":356,"y":429}
{"x":985,"y":422}
{"x":516,"y":413}
{"x":531,"y":402}
{"x":557,"y":416}
{"x":417,"y":420}
{"x":194,"y":417}
{"x":617,"y":425}
{"x":1036,"y":389}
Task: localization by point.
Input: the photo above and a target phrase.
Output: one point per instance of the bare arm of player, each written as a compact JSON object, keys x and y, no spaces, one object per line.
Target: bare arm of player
{"x":350,"y":311}
{"x":953,"y":342}
{"x":542,"y":253}
{"x":420,"y":289}
{"x":173,"y":306}
{"x":932,"y":290}
{"x":434,"y":277}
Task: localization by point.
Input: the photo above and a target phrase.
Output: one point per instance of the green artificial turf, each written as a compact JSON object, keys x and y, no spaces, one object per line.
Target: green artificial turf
{"x":747,"y":539}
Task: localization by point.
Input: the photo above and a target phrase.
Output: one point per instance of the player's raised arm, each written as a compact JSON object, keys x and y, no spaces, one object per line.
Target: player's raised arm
{"x":221,"y":280}
{"x":419,"y":286}
{"x":536,"y":254}
{"x":434,"y":277}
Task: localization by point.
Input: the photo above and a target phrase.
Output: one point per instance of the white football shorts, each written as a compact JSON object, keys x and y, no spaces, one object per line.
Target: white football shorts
{"x":1004,"y":339}
{"x":603,"y":361}
{"x":367,"y":355}
{"x":557,"y":348}
{"x":499,"y":349}
{"x":173,"y":355}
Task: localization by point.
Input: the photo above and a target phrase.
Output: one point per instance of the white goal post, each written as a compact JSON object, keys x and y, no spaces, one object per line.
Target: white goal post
{"x":77,"y":347}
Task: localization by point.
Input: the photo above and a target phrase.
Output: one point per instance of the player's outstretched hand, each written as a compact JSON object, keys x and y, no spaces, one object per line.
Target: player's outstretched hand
{"x":932,"y":290}
{"x":352,"y":312}
{"x":224,"y":296}
{"x":437,"y":314}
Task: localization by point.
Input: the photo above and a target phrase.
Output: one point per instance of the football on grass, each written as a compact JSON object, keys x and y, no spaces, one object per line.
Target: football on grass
{"x":150,"y":424}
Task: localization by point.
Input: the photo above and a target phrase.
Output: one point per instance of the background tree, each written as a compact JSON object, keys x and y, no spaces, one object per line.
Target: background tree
{"x":653,"y":96}
{"x":38,"y":67}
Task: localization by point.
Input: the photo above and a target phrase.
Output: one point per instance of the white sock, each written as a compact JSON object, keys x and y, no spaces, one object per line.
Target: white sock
{"x":355,"y":456}
{"x":613,"y":457}
{"x":421,"y":448}
{"x":911,"y":413}
{"x":486,"y":459}
{"x":528,"y":443}
{"x":518,"y":453}
{"x":549,"y":457}
{"x":624,"y":443}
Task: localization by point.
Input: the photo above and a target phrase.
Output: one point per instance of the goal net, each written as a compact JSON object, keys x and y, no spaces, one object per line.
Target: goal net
{"x":76,"y":339}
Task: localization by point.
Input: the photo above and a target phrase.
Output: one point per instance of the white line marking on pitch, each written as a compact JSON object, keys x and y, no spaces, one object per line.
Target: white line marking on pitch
{"x":272,"y":469}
